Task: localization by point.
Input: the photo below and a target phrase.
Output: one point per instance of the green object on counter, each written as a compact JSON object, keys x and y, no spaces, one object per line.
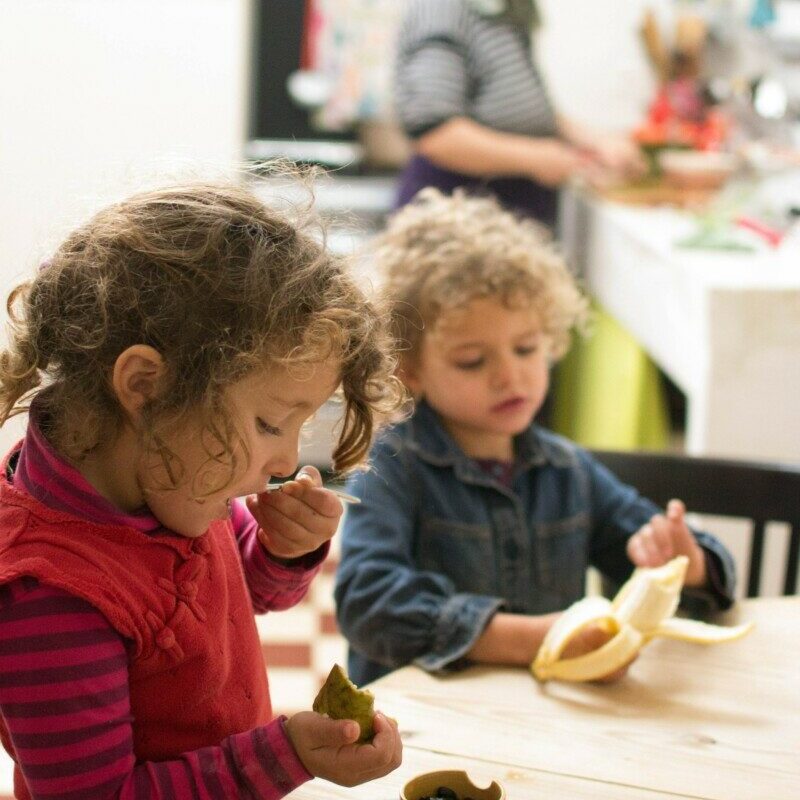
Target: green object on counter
{"x":713,"y":237}
{"x":608,"y":394}
{"x":716,"y":225}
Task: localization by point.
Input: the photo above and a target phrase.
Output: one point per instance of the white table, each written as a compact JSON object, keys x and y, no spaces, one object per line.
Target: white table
{"x":724,"y":326}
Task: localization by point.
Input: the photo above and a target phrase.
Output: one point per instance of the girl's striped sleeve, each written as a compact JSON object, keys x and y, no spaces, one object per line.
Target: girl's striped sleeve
{"x":65,"y":702}
{"x":272,"y":586}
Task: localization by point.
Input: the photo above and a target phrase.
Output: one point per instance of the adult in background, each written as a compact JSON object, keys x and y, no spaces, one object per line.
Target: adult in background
{"x":470,"y":96}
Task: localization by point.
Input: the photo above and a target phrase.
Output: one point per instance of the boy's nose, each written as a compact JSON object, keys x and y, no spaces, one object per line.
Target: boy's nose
{"x":503,"y":373}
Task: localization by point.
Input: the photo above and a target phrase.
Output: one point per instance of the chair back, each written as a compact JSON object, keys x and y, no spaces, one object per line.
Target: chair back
{"x":751,"y":490}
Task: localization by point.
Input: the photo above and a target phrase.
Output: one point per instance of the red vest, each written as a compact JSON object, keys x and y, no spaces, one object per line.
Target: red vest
{"x":196,"y":669}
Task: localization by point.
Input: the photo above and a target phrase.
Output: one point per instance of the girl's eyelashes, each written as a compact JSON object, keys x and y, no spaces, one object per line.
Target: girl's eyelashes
{"x":526,"y":350}
{"x":265,"y":427}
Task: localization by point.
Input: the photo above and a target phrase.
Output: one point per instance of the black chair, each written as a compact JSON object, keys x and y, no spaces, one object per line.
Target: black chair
{"x":759,"y":492}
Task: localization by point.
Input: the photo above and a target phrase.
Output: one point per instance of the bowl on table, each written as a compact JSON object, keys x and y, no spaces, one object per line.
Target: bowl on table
{"x":697,"y":169}
{"x":456,"y":780}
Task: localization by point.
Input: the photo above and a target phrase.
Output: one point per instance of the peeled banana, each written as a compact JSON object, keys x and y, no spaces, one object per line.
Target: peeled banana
{"x":642,"y":609}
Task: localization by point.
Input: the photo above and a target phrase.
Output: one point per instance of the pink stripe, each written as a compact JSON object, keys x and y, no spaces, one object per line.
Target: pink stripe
{"x":89,"y":679}
{"x":38,"y":479}
{"x":85,"y":747}
{"x":67,"y":722}
{"x":87,"y":505}
{"x":230,"y":789}
{"x":88,"y":780}
{"x":56,"y":654}
{"x":64,"y":690}
{"x":246,"y":754}
{"x":49,"y":478}
{"x":285,"y":754}
{"x":67,"y":623}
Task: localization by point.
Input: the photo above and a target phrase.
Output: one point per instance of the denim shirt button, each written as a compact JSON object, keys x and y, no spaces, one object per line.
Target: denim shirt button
{"x":511,"y":550}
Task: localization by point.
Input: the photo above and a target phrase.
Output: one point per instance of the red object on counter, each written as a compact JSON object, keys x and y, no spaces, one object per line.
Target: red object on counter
{"x":771,"y":235}
{"x":674,"y":122}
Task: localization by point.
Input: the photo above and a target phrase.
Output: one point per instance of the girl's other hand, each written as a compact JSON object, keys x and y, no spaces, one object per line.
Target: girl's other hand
{"x":299,"y":518}
{"x":663,"y":538}
{"x":328,"y":748}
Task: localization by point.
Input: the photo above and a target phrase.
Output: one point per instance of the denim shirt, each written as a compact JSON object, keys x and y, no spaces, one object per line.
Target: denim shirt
{"x":438,"y":546}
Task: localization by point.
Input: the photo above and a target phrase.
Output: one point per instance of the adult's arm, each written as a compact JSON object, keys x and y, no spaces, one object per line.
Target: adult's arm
{"x":463,"y":145}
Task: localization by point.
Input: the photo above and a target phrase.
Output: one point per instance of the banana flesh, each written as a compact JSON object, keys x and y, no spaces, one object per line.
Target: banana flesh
{"x":642,"y":610}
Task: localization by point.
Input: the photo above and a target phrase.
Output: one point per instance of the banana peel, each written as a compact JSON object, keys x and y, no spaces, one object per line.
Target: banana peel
{"x":340,"y":698}
{"x":642,"y":610}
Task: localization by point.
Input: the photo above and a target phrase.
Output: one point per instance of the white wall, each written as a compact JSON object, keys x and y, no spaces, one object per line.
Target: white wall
{"x":99,"y":96}
{"x":593,"y":59}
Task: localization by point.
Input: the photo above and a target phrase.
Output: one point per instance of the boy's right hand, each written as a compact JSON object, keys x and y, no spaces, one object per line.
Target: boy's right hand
{"x":328,"y":749}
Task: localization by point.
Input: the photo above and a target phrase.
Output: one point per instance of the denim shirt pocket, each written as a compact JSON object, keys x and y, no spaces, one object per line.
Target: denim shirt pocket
{"x":462,"y":551}
{"x":562,"y":550}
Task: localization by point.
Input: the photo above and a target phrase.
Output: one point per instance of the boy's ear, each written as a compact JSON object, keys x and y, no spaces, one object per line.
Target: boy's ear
{"x":409,"y":374}
{"x":136,"y":376}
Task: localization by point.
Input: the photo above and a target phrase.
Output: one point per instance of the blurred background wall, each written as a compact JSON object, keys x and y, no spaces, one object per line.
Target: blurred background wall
{"x":97,"y":97}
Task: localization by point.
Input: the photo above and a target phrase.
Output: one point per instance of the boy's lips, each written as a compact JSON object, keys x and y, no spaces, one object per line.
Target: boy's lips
{"x":512,"y":404}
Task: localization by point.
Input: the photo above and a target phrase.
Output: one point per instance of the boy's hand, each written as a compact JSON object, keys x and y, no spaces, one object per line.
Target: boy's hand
{"x":328,"y":750}
{"x":298,"y":518}
{"x":593,"y":638}
{"x":665,"y":537}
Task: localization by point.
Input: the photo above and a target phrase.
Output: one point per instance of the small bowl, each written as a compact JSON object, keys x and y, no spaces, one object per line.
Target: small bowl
{"x":456,"y":779}
{"x":697,"y":169}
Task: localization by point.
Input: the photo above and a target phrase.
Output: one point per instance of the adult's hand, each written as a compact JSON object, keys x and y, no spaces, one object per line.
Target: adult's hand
{"x":552,"y":162}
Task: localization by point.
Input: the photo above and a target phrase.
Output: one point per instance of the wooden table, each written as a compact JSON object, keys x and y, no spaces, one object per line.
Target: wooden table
{"x":719,"y":722}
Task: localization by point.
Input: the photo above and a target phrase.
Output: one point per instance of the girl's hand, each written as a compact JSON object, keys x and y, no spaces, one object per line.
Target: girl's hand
{"x":328,"y":750}
{"x":299,"y":518}
{"x":665,"y":537}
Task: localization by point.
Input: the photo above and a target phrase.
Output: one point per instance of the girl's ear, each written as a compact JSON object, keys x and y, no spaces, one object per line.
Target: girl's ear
{"x":136,"y":377}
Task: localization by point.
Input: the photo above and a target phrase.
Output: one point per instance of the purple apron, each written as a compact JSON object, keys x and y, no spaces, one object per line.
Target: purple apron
{"x":517,"y":194}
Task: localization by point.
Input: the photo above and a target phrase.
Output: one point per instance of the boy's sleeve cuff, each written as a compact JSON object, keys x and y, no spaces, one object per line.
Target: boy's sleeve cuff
{"x":462,"y":620}
{"x":720,"y":588}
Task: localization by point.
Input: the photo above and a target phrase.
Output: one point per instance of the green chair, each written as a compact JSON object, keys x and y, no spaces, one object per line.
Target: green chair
{"x":607,"y":393}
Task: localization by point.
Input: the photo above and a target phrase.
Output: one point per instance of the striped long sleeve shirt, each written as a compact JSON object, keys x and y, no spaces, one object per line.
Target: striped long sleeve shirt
{"x":64,"y":681}
{"x":452,"y":60}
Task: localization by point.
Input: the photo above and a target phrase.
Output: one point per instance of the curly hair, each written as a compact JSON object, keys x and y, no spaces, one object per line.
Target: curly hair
{"x":441,"y":252}
{"x":220,"y":285}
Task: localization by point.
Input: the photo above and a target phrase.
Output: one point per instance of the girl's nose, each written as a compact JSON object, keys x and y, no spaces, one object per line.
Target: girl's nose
{"x":283,"y":460}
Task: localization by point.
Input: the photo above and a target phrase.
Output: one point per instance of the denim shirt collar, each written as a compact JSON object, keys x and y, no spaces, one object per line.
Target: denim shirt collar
{"x":432,"y":443}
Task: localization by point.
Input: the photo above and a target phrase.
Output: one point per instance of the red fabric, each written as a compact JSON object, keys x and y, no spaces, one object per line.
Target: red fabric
{"x":182,"y":604}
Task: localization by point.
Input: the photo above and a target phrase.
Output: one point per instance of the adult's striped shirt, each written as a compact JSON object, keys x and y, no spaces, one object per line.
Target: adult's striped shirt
{"x":452,"y":60}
